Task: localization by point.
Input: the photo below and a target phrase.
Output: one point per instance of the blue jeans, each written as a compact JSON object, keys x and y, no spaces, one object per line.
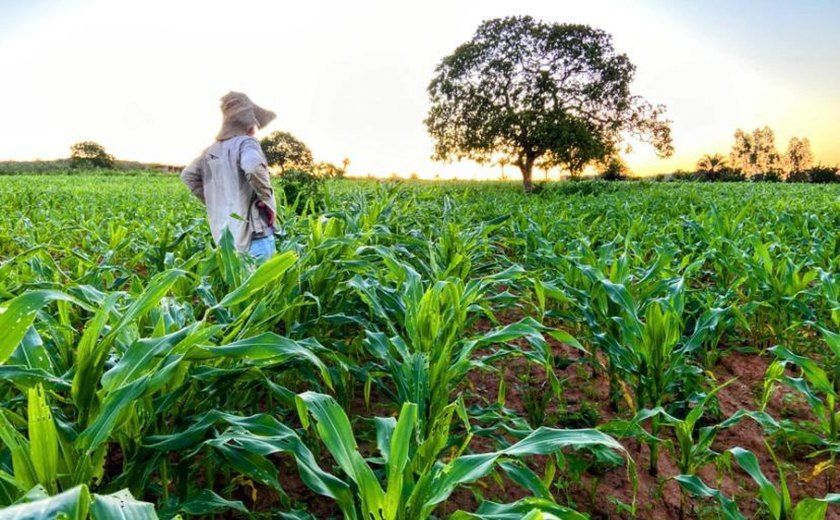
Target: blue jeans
{"x":262,"y":248}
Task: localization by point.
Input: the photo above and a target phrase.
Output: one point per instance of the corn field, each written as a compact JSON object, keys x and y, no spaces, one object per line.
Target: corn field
{"x":421,"y":351}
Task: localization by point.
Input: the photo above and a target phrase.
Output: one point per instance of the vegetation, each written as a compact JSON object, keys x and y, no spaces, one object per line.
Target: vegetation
{"x":421,"y":350}
{"x":539,"y":92}
{"x":285,"y":151}
{"x":88,"y":154}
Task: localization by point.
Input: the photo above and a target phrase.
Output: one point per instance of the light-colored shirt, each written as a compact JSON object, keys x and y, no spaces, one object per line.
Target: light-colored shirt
{"x":230,"y":177}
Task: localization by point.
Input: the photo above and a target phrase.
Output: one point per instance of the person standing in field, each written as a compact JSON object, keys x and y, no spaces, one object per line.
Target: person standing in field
{"x":231,"y":179}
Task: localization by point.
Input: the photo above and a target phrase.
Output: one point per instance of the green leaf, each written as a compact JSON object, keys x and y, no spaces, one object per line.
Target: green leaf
{"x":267,"y":349}
{"x":142,"y":357}
{"x":333,"y":428}
{"x":31,"y":353}
{"x":121,"y":506}
{"x":401,"y":442}
{"x":769,"y":494}
{"x":17,"y":314}
{"x":697,"y":487}
{"x":527,"y":508}
{"x":43,"y":438}
{"x":207,"y":502}
{"x":18,"y":445}
{"x":70,"y":505}
{"x":264,"y":275}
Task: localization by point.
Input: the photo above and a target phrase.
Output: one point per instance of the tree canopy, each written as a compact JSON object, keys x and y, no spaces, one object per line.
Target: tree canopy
{"x":284,"y":150}
{"x":530,"y":90}
{"x":89,"y":154}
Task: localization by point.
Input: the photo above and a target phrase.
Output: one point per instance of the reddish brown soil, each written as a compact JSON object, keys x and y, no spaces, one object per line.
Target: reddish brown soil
{"x":658,"y":497}
{"x":599,"y":495}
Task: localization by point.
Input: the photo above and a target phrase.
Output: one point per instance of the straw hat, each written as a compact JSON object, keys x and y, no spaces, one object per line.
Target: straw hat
{"x":239,"y":114}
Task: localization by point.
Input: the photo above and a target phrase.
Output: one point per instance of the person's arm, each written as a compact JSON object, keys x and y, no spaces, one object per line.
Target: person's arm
{"x":252,"y":162}
{"x":191,"y":176}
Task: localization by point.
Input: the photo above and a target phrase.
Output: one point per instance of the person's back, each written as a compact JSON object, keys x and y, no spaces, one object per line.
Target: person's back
{"x":231,"y":178}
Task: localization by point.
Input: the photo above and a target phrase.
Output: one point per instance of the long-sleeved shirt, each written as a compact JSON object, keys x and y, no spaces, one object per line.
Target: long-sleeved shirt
{"x":231,"y":177}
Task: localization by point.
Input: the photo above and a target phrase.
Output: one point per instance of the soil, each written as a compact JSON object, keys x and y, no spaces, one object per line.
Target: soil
{"x":604,"y":493}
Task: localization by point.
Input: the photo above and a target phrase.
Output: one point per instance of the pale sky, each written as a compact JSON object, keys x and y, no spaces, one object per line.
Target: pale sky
{"x":349,"y":78}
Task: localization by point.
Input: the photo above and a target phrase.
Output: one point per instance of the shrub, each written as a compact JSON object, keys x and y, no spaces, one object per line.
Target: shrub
{"x":731,"y":175}
{"x":768,"y":176}
{"x":823,"y":174}
{"x":301,"y":188}
{"x":801,"y":176}
{"x":614,"y":170}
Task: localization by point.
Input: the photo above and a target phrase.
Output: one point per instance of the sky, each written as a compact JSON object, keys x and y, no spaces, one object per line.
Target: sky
{"x":349,"y":78}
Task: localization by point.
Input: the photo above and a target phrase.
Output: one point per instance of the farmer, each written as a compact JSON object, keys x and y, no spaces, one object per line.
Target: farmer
{"x":231,"y":179}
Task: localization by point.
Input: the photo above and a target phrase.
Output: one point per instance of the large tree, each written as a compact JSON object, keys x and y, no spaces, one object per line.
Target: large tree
{"x":799,"y":156}
{"x":532,"y":90}
{"x":284,"y":150}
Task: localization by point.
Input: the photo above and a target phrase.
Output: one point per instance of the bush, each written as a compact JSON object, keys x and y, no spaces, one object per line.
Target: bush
{"x":769,"y":176}
{"x":301,"y":189}
{"x":797,"y":177}
{"x":823,"y":174}
{"x":730,"y":175}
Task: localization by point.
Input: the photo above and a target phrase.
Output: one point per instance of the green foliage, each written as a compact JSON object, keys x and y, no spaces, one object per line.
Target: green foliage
{"x":824,"y":174}
{"x":302,"y":190}
{"x":88,"y":154}
{"x":286,"y":151}
{"x":138,"y":356}
{"x":614,"y":170}
{"x":531,"y":90}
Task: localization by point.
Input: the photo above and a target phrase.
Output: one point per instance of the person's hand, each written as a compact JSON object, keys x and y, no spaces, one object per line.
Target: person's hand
{"x":269,"y":213}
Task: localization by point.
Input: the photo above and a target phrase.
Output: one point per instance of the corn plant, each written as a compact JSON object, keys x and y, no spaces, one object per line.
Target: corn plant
{"x":776,"y":498}
{"x":412,"y":494}
{"x":79,"y":504}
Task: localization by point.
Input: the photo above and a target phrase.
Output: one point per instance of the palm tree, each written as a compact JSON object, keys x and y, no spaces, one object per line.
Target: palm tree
{"x":502,"y":162}
{"x":712,"y":165}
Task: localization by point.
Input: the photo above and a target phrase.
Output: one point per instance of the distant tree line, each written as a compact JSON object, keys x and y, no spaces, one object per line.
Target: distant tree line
{"x":754,"y":157}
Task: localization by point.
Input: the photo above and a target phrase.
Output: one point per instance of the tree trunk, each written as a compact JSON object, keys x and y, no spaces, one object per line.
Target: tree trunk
{"x":527,"y":169}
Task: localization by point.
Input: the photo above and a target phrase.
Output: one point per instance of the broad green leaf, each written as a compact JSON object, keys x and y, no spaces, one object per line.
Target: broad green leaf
{"x":697,"y":487}
{"x":121,"y":506}
{"x":527,"y":508}
{"x":17,"y":314}
{"x":267,"y":349}
{"x":31,"y":353}
{"x":207,"y":502}
{"x":748,"y":462}
{"x":24,"y":472}
{"x":43,"y":438}
{"x":70,"y":505}
{"x":264,"y":275}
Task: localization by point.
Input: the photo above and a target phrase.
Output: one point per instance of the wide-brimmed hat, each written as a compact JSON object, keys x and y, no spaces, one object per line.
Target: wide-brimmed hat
{"x":239,"y":114}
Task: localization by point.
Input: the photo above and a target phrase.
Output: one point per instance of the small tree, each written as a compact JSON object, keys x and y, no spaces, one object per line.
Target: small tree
{"x":711,"y":166}
{"x":89,"y":154}
{"x":532,"y":90}
{"x":327,"y":170}
{"x":284,"y":150}
{"x":614,"y":170}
